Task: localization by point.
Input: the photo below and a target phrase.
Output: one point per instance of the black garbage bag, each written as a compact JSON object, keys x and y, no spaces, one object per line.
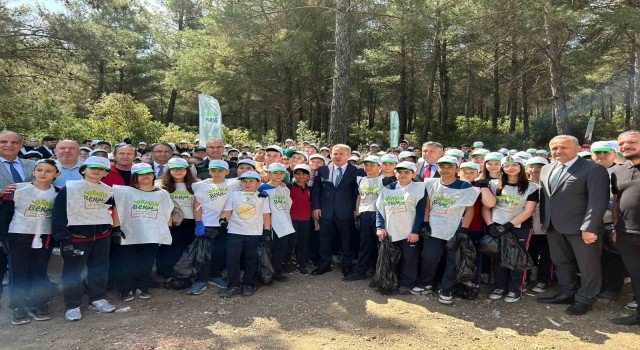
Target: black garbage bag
{"x":608,"y":245}
{"x":385,"y":279}
{"x":193,"y":258}
{"x":467,"y":291}
{"x":512,"y":256}
{"x":178,"y":283}
{"x":465,"y":260}
{"x":265,"y":269}
{"x":489,"y":245}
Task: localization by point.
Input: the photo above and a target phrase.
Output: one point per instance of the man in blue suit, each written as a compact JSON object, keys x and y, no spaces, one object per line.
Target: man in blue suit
{"x":333,"y":201}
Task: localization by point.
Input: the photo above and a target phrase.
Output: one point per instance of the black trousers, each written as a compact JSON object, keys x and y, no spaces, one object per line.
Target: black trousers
{"x":475,"y":237}
{"x":432,"y":251}
{"x":28,"y":271}
{"x":96,"y":259}
{"x":613,"y":272}
{"x":168,"y":255}
{"x":242,"y":250}
{"x":219,"y":255}
{"x":539,"y":251}
{"x":136,"y":263}
{"x":408,"y":266}
{"x":368,"y":243}
{"x":281,"y":247}
{"x":506,"y":279}
{"x":314,"y":244}
{"x":4,"y":262}
{"x":628,"y":245}
{"x":328,"y":229}
{"x":303,"y":228}
{"x":211,"y":233}
{"x":568,"y":253}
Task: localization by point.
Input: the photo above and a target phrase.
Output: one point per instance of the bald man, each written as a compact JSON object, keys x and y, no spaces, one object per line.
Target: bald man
{"x":68,"y":152}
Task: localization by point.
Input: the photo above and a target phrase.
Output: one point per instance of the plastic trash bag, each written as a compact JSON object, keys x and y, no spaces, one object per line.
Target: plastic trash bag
{"x":467,"y":291}
{"x":265,"y":269}
{"x":194,"y":257}
{"x":465,"y":260}
{"x":489,"y":245}
{"x":385,"y":279}
{"x":608,"y":245}
{"x":178,"y":283}
{"x":512,"y":256}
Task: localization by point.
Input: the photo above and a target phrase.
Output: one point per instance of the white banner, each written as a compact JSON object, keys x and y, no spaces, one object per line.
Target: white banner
{"x":395,"y":130}
{"x":210,"y":119}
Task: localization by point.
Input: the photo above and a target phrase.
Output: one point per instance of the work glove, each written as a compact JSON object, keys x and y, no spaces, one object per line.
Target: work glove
{"x":66,"y":248}
{"x":357,"y":222}
{"x":223,"y":222}
{"x":425,"y":229}
{"x":497,"y":229}
{"x":482,"y":183}
{"x":117,"y":235}
{"x":199,"y":231}
{"x":266,"y":235}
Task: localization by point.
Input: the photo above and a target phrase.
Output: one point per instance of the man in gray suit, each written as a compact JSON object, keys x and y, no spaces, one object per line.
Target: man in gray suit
{"x":575,"y":194}
{"x":12,"y":171}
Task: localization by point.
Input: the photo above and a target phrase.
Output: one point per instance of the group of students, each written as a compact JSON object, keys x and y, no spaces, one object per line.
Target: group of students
{"x":120,"y":233}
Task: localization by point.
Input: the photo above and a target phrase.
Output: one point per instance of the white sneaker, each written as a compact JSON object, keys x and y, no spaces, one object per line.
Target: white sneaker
{"x":512,"y":297}
{"x":73,"y":314}
{"x":102,"y":305}
{"x":421,"y":290}
{"x":496,"y":294}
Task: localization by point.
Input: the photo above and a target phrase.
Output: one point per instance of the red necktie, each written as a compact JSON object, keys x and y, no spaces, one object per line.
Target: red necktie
{"x":427,"y":172}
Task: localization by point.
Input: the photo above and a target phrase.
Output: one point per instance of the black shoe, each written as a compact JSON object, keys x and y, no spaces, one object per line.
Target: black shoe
{"x":229,"y":292}
{"x":321,"y":270}
{"x":578,"y":308}
{"x":280,"y":278}
{"x":303,"y":271}
{"x":128,"y":296}
{"x":248,"y":290}
{"x":557,"y":299}
{"x":627,"y":321}
{"x":609,"y":295}
{"x":347,"y":270}
{"x":288,"y":268}
{"x":40,"y":313}
{"x":20,"y":316}
{"x":354,"y":277}
{"x":403,"y":290}
{"x":143,"y":293}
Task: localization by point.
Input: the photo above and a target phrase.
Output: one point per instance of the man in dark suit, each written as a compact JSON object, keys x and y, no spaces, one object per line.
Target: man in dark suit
{"x":333,"y":201}
{"x":214,"y":149}
{"x":575,"y":194}
{"x":48,"y":145}
{"x":426,"y":166}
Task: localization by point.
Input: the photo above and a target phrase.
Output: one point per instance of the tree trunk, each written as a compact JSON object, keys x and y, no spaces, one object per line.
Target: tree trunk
{"x":636,"y":97}
{"x":427,"y":106}
{"x":554,"y":53}
{"x":340,"y":102}
{"x":371,"y":108}
{"x":628,"y":100}
{"x":591,"y":97}
{"x":612,"y":107}
{"x":101,"y":78}
{"x":603,"y":107}
{"x":468,"y":108}
{"x":172,"y":106}
{"x":444,"y":89}
{"x":411,"y":101}
{"x":525,"y":102}
{"x":513,"y":87}
{"x":496,"y":88}
{"x":402,"y":102}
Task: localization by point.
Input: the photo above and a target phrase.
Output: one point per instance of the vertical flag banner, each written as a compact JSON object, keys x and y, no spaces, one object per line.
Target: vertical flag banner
{"x":395,"y":129}
{"x":586,"y":143}
{"x":210,"y":119}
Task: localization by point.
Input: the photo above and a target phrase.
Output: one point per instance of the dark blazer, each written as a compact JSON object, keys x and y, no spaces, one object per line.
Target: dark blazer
{"x":578,"y":202}
{"x":45,"y":152}
{"x":419,"y":166}
{"x":340,"y":201}
{"x":202,"y":170}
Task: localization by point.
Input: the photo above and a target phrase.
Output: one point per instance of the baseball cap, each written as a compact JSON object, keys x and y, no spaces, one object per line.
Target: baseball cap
{"x":523,"y":155}
{"x":479,"y":152}
{"x":531,"y":150}
{"x":478,"y":144}
{"x":199,"y":149}
{"x":406,"y":154}
{"x":470,"y":165}
{"x":584,"y":154}
{"x":601,"y":146}
{"x":185,"y":154}
{"x":142,"y":143}
{"x":356,"y":153}
{"x":183,"y":141}
{"x":141,"y":168}
{"x":537,"y":160}
{"x":97,"y":162}
{"x":512,"y":152}
{"x":354,"y":158}
{"x":406,"y":165}
{"x":234,"y":150}
{"x":504,"y":151}
{"x":228,"y":145}
{"x":372,"y":159}
{"x":274,"y":148}
{"x":248,"y":161}
{"x":81,"y":148}
{"x":96,"y":151}
{"x":288,"y":140}
{"x":302,"y":154}
{"x":177,"y":163}
{"x":447,"y":159}
{"x":389,"y":158}
{"x":57,"y":164}
{"x":302,"y":167}
{"x":454,"y":152}
{"x":542,"y":151}
{"x":512,"y":159}
{"x":218,"y":164}
{"x":104,"y":143}
{"x":250,"y":175}
{"x":374,"y":145}
{"x":323,"y":148}
{"x":275,"y":167}
{"x":317,"y":156}
{"x":33,"y":154}
{"x":493,"y":156}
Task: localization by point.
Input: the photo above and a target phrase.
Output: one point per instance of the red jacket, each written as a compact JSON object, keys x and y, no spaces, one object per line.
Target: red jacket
{"x":301,"y":206}
{"x":114,"y":178}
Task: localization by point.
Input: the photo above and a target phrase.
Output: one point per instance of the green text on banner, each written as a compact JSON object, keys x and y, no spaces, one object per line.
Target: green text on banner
{"x":210,"y":119}
{"x":395,"y":129}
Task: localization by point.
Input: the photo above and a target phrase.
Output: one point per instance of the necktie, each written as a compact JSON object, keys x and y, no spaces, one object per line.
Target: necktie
{"x":553,"y":181}
{"x":339,"y":177}
{"x":427,"y":172}
{"x":14,"y":173}
{"x":160,"y":170}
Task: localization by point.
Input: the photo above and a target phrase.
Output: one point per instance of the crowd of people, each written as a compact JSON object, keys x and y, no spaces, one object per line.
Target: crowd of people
{"x":125,"y":214}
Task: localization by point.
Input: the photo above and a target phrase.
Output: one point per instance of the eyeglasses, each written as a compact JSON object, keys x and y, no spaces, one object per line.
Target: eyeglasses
{"x":214,"y":147}
{"x":163,"y":152}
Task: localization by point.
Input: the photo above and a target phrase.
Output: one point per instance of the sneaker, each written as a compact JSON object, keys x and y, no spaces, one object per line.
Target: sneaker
{"x":336,"y":259}
{"x":496,"y":294}
{"x":541,"y":287}
{"x":197,"y":288}
{"x":512,"y":297}
{"x":218,"y":282}
{"x":20,"y":316}
{"x":40,"y":313}
{"x":248,"y":290}
{"x":143,"y":293}
{"x":73,"y":314}
{"x":102,"y":305}
{"x":403,"y":290}
{"x":633,"y":305}
{"x":128,"y":296}
{"x":279,"y":278}
{"x":229,"y":292}
{"x":421,"y":290}
{"x":303,"y":271}
{"x":445,"y":297}
{"x":354,"y":277}
{"x":525,"y":286}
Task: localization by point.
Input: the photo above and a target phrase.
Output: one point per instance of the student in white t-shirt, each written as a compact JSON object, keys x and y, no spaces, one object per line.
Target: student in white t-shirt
{"x":249,"y":219}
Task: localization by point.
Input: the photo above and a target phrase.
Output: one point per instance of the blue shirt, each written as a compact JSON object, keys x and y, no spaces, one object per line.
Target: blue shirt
{"x":16,"y":164}
{"x":66,"y":174}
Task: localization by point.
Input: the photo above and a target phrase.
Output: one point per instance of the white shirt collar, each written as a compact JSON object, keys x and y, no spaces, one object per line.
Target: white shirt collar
{"x":16,"y":160}
{"x":570,"y":163}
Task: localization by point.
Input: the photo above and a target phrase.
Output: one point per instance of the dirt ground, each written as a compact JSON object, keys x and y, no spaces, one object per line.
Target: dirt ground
{"x":311,"y":312}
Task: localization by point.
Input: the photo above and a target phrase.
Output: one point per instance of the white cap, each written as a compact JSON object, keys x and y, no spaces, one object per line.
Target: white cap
{"x":218,"y":164}
{"x":277,"y":167}
{"x":97,"y":162}
{"x":302,"y":154}
{"x":537,"y":160}
{"x":584,"y":154}
{"x":512,"y":159}
{"x":389,"y":158}
{"x":448,"y":159}
{"x":406,"y":165}
{"x":478,"y":144}
{"x":142,"y":143}
{"x":248,"y":161}
{"x":480,"y":152}
{"x":602,"y":146}
{"x":406,"y":154}
{"x":288,"y":140}
{"x":354,"y":158}
{"x":454,"y":152}
{"x":325,"y":149}
{"x":373,"y":159}
{"x":531,"y":150}
{"x":302,"y":167}
{"x":274,"y":148}
{"x":523,"y":155}
{"x":250,"y":175}
{"x":141,"y":168}
{"x":493,"y":156}
{"x":317,"y":156}
{"x":542,"y":151}
{"x":185,"y":154}
{"x":177,"y":163}
{"x":470,"y":165}
{"x":183,"y":141}
{"x":97,"y":150}
{"x":374,"y":145}
{"x":504,"y":151}
{"x":228,"y":146}
{"x":57,"y":164}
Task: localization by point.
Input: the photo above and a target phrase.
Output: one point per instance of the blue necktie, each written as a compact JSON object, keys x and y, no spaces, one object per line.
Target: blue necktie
{"x":14,"y":173}
{"x":339,"y":177}
{"x":160,"y":170}
{"x":553,"y":181}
